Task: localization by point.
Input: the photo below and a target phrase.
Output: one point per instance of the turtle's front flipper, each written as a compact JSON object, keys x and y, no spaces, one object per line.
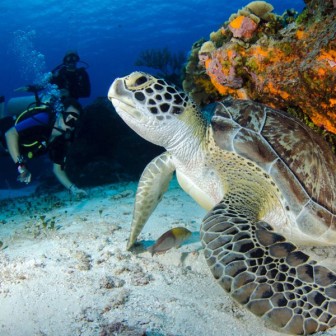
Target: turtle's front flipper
{"x":153,"y":184}
{"x":266,"y":273}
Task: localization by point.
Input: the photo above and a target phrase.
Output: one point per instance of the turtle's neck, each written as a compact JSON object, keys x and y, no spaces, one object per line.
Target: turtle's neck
{"x":187,"y":145}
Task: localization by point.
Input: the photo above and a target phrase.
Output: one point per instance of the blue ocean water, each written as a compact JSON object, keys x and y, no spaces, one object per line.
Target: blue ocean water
{"x":108,"y":34}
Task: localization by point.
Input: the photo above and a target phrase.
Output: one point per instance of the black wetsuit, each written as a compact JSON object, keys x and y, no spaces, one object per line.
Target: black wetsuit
{"x":77,"y":82}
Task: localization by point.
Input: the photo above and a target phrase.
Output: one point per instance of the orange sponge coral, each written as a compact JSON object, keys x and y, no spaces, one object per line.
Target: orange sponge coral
{"x":243,"y":27}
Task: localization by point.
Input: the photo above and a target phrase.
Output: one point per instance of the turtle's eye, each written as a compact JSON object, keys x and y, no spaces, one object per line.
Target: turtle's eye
{"x":141,"y":80}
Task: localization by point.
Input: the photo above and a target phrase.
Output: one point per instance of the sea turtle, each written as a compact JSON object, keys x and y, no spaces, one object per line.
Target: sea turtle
{"x":266,"y":180}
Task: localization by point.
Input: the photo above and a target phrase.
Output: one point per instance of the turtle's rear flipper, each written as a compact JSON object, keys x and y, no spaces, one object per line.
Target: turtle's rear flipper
{"x":266,"y":273}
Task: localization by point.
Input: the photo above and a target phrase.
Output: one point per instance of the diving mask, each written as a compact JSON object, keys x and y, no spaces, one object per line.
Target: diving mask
{"x":71,"y":59}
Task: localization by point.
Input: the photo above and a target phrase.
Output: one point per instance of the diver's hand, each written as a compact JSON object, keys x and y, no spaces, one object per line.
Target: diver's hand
{"x":78,"y":193}
{"x":24,"y":174}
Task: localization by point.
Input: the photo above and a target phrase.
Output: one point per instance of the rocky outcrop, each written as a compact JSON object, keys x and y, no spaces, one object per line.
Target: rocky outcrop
{"x":287,"y":62}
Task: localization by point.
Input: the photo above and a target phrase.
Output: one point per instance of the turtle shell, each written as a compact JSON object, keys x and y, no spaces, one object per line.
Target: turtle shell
{"x":299,"y":161}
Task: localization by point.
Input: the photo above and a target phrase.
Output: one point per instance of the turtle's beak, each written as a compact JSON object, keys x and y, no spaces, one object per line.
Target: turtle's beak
{"x":119,"y":95}
{"x":122,"y":99}
{"x":118,"y":91}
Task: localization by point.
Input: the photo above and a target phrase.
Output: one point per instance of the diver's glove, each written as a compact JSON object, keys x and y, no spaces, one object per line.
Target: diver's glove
{"x":24,"y":174}
{"x":78,"y":193}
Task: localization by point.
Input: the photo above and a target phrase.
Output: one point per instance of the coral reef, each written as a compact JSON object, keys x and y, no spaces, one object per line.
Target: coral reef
{"x":196,"y":81}
{"x":287,"y":61}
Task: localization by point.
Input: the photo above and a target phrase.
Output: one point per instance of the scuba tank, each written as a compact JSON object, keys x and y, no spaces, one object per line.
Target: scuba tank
{"x":18,"y":104}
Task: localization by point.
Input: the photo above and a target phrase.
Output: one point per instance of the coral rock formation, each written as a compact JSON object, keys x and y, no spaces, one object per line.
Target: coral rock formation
{"x":287,"y":61}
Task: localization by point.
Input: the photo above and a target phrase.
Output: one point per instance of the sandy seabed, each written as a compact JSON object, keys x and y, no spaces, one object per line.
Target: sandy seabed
{"x":64,"y":270}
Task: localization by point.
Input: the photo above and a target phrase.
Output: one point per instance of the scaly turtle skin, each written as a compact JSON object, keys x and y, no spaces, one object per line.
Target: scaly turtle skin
{"x":264,"y":178}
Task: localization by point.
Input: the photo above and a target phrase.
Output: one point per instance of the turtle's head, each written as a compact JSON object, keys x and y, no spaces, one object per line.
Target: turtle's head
{"x":154,"y":109}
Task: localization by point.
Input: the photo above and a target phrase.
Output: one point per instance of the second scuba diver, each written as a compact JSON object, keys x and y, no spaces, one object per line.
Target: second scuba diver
{"x":43,"y":132}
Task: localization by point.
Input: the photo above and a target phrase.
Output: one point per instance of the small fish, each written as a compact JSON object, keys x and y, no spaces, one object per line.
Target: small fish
{"x":172,"y":238}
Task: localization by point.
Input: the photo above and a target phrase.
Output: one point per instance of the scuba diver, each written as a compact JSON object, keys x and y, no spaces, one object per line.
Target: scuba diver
{"x":40,"y":130}
{"x":72,"y":81}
